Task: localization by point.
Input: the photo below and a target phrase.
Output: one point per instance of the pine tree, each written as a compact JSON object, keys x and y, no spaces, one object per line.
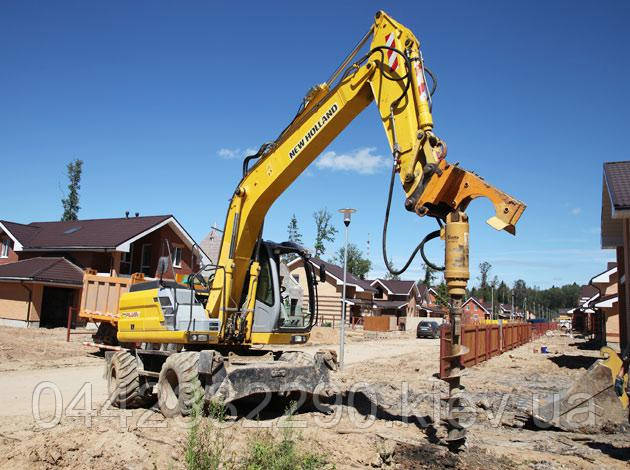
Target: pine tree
{"x":429,"y":275}
{"x":294,"y":236}
{"x":294,"y":232}
{"x":71,"y":202}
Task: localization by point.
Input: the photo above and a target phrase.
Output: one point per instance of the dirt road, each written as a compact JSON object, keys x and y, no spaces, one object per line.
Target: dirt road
{"x":19,"y":385}
{"x":344,"y":432}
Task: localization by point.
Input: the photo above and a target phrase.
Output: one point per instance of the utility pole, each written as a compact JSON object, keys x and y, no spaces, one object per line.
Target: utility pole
{"x":492,"y":301}
{"x":512,"y":311}
{"x":347,"y":213}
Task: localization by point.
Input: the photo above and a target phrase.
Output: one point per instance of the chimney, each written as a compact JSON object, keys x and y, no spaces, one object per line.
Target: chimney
{"x":126,"y":214}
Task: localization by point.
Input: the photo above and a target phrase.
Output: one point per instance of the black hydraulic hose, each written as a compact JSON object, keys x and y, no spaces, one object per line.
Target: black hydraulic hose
{"x":420,"y":246}
{"x":433,"y":80}
{"x":263,"y":148}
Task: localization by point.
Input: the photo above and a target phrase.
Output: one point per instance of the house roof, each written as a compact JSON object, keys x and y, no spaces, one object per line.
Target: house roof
{"x":390,"y":303}
{"x":617,"y":176}
{"x":607,"y":301}
{"x":395,"y":286}
{"x":604,"y":277}
{"x":115,"y":234}
{"x":478,"y":302}
{"x":211,"y":244}
{"x":587,"y":291}
{"x":336,"y":272}
{"x":57,"y":270}
{"x":615,"y":202}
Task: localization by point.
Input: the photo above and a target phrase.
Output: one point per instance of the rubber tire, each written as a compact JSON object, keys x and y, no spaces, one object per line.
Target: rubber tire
{"x":123,"y":381}
{"x":179,"y":386}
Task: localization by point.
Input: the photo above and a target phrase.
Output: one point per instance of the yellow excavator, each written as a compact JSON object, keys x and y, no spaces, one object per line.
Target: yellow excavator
{"x":182,"y":344}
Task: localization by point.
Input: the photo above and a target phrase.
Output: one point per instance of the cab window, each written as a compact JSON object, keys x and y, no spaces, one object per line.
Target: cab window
{"x":264,"y":292}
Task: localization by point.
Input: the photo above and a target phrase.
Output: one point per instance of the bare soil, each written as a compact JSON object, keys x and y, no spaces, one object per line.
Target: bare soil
{"x":351,"y":433}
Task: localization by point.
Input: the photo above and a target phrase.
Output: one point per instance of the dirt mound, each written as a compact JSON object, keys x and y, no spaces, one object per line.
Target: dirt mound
{"x":430,"y":456}
{"x":35,"y":348}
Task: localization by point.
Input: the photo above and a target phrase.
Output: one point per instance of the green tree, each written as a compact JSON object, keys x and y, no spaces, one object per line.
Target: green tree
{"x":71,"y":201}
{"x":520,"y":292}
{"x":391,"y":276}
{"x":442,"y":295}
{"x":503,"y":293}
{"x":484,"y":285}
{"x":325,"y":231}
{"x":484,"y":271}
{"x":294,"y":236}
{"x":358,"y":265}
{"x":429,"y":275}
{"x":294,"y":232}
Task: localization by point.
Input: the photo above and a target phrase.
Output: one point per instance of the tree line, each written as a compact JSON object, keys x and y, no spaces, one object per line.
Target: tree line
{"x":531,"y":298}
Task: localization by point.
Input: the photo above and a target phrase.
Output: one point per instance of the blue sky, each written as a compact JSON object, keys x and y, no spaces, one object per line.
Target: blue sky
{"x":160,"y":100}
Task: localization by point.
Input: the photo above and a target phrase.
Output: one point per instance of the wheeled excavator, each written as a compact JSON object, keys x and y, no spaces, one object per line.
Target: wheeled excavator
{"x":184,"y":344}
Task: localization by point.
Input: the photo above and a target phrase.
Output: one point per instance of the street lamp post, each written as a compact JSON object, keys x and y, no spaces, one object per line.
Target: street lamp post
{"x":347,"y":214}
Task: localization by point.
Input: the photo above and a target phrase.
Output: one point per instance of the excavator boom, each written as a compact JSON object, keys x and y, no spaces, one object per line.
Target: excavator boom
{"x":391,"y":74}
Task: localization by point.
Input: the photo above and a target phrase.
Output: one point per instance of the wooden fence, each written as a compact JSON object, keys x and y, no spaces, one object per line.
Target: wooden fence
{"x":334,"y":321}
{"x":487,"y":341}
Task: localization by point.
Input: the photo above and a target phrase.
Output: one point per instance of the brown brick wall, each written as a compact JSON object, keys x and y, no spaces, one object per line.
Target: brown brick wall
{"x":156,"y":240}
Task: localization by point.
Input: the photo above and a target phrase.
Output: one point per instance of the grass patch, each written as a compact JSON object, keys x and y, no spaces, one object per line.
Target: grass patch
{"x":264,"y":452}
{"x":208,"y":444}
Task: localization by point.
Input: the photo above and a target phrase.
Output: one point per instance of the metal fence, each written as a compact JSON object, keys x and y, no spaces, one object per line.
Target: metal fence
{"x":487,"y":341}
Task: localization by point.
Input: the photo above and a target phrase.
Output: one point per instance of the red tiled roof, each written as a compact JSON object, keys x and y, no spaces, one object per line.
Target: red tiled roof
{"x":94,"y":233}
{"x":58,"y":270}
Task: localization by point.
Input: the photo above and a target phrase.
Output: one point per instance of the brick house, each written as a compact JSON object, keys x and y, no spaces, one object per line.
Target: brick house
{"x":475,"y":310}
{"x":429,"y":306}
{"x":42,"y":263}
{"x":359,"y":293}
{"x":615,"y":234}
{"x":597,"y":312}
{"x":397,"y":297}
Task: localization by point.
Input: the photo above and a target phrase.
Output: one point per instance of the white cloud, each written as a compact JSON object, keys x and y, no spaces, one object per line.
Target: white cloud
{"x":228,"y":153}
{"x":576,"y":211}
{"x":362,"y":161}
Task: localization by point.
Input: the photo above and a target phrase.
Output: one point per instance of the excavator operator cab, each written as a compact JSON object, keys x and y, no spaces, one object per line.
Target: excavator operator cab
{"x":281,"y":303}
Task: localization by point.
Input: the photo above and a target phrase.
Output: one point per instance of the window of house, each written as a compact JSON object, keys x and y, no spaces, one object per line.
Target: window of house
{"x":177,"y":257}
{"x":4,"y":250}
{"x":468,"y":307}
{"x":296,"y":277}
{"x":145,"y":259}
{"x":125,"y":261}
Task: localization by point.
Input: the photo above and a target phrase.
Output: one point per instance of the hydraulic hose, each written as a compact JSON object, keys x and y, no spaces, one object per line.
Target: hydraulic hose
{"x":420,"y":247}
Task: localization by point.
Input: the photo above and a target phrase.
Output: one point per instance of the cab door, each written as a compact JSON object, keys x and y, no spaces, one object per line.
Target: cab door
{"x":267,"y":304}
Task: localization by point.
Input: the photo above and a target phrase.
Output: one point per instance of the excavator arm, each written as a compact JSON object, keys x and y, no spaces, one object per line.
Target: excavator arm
{"x":391,"y":74}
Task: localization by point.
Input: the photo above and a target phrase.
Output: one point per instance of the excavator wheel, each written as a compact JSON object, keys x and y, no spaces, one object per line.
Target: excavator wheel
{"x":123,"y":381}
{"x":179,"y":388}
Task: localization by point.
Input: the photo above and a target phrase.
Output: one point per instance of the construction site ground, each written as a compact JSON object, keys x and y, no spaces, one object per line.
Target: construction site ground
{"x":346,"y":433}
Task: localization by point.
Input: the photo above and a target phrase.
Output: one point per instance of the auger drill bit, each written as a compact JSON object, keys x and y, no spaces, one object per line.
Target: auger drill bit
{"x":456,"y":274}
